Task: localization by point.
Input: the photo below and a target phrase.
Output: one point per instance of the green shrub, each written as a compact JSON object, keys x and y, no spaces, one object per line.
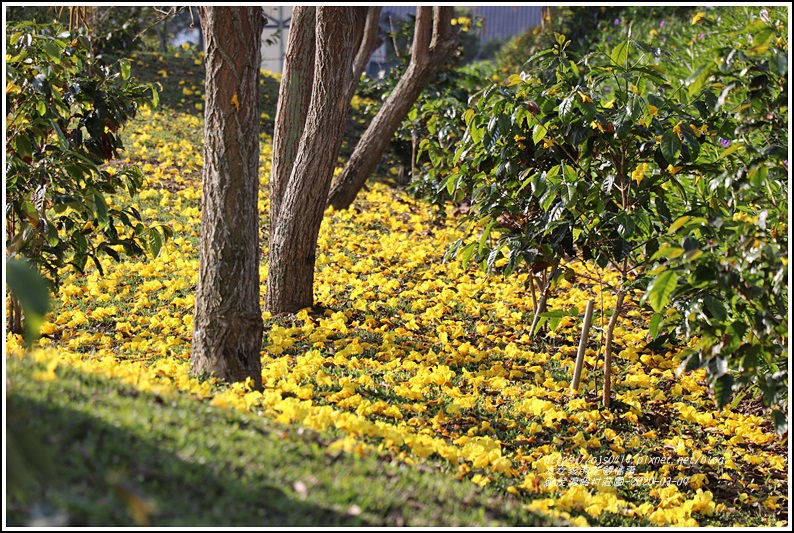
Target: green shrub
{"x":64,"y":112}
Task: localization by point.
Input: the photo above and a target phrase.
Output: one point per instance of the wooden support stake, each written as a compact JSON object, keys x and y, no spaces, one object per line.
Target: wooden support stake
{"x":577,"y":373}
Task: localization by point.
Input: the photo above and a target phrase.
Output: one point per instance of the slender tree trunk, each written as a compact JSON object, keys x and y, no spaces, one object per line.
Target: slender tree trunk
{"x":296,"y":88}
{"x":227,"y":323}
{"x":294,"y":95}
{"x":15,"y":316}
{"x":369,"y":41}
{"x":293,"y":238}
{"x":433,"y":42}
{"x":607,"y":396}
{"x":162,"y":35}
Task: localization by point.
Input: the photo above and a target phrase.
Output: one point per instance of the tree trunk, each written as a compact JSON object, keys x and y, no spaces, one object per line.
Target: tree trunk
{"x":427,"y":56}
{"x":294,"y":94}
{"x":15,"y":316}
{"x":607,"y":396}
{"x":369,"y":41}
{"x":293,"y":237}
{"x":227,"y":334}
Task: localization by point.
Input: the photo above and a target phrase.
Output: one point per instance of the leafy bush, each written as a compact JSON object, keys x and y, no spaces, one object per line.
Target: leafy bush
{"x":64,"y":112}
{"x":668,"y":170}
{"x":112,"y":29}
{"x":726,"y":260}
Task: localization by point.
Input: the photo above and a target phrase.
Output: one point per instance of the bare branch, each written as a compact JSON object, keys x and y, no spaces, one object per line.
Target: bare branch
{"x":174,"y":11}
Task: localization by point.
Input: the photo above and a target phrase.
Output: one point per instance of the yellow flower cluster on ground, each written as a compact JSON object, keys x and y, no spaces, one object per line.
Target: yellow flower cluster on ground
{"x":420,"y":360}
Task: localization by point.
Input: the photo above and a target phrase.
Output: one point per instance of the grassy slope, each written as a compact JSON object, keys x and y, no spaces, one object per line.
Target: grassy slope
{"x":103,"y":451}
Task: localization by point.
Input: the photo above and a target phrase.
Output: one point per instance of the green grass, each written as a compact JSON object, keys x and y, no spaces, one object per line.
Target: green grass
{"x":94,"y":452}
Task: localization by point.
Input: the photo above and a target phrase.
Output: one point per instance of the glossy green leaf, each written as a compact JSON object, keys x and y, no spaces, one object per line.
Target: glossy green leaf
{"x":723,"y":390}
{"x":620,"y":54}
{"x":538,"y":133}
{"x":670,"y":146}
{"x":653,"y":325}
{"x":661,"y":288}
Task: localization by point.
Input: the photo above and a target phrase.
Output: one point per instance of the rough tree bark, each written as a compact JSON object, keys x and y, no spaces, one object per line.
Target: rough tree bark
{"x":295,"y":89}
{"x":227,"y":323}
{"x":367,"y":41}
{"x":301,"y":202}
{"x":432,"y":44}
{"x":294,"y":94}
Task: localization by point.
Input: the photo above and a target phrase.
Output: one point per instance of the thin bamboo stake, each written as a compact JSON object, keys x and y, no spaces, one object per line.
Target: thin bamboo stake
{"x":608,"y":350}
{"x":577,"y":373}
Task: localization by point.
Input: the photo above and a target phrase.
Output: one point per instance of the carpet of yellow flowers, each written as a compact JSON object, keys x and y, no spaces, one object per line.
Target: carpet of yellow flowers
{"x":418,"y":360}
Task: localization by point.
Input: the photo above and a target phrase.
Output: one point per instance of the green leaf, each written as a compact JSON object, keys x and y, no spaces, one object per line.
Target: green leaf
{"x":723,"y":390}
{"x":101,"y":209}
{"x":514,"y":79}
{"x":155,"y":96}
{"x":554,"y":318}
{"x":23,"y":146}
{"x":763,"y":36}
{"x":125,"y":68}
{"x":40,"y":84}
{"x":565,"y":109}
{"x":588,"y":110}
{"x":53,"y":51}
{"x":653,"y":326}
{"x":467,"y":252}
{"x":620,"y":55}
{"x":692,"y":361}
{"x":485,"y":234}
{"x":62,"y":143}
{"x":781,"y":422}
{"x":660,"y":289}
{"x":155,"y":242}
{"x":74,"y":171}
{"x":538,"y":133}
{"x":716,"y":308}
{"x":671,"y":146}
{"x":625,"y":225}
{"x":683,"y":220}
{"x":692,"y":143}
{"x":698,"y":79}
{"x":30,"y":289}
{"x":680,"y":221}
{"x":491,"y":259}
{"x":732,"y":148}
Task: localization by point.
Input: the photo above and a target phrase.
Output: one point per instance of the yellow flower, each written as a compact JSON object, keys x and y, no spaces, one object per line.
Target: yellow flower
{"x":699,"y":131}
{"x":697,"y":17}
{"x":480,"y":480}
{"x":673,"y":170}
{"x":48,"y":374}
{"x":677,"y":130}
{"x":639,"y":172}
{"x":771,"y":503}
{"x":696,"y":481}
{"x":653,"y":110}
